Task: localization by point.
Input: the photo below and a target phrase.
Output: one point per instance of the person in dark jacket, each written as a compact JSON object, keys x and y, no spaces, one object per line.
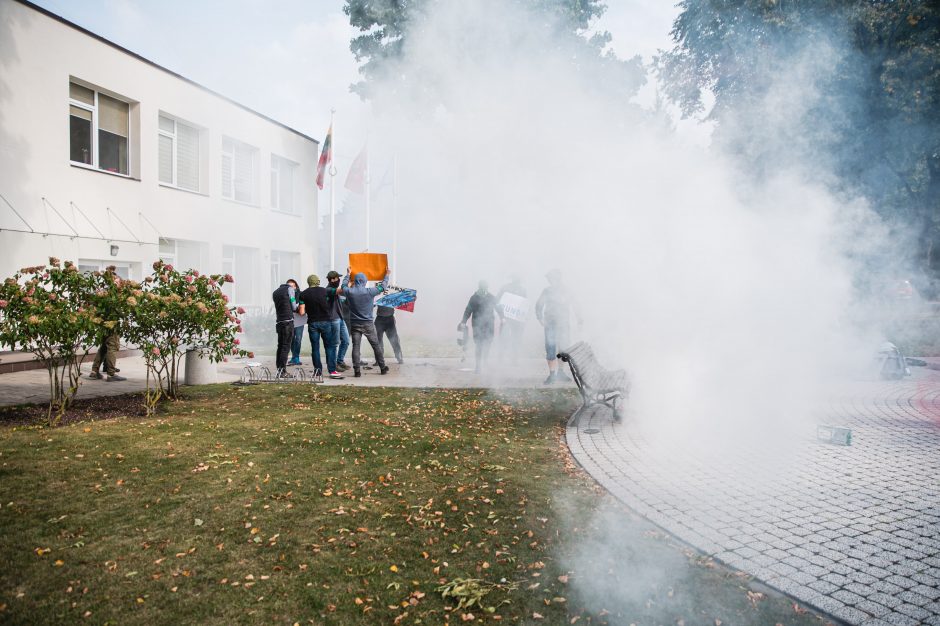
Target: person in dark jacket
{"x":481,"y":312}
{"x":360,"y":299}
{"x":318,"y":304}
{"x":342,"y":323}
{"x":285,"y":303}
{"x":554,"y":309}
{"x":385,"y":325}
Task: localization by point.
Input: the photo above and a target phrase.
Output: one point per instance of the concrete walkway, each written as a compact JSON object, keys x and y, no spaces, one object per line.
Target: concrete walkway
{"x":33,"y":386}
{"x":851,"y":530}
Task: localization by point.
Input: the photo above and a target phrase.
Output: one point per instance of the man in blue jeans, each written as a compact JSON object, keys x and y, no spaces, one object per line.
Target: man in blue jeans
{"x":341,"y":319}
{"x":318,"y":306}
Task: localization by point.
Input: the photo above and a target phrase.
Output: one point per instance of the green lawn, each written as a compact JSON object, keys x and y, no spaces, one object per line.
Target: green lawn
{"x":338,"y":505}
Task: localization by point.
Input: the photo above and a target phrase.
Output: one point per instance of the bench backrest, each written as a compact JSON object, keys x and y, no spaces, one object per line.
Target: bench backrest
{"x":589,"y":369}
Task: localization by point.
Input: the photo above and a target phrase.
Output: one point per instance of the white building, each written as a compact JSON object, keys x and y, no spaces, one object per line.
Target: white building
{"x":107,"y":158}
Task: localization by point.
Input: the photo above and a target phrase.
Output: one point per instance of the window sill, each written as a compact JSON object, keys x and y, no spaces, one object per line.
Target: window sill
{"x":183,"y":189}
{"x":286,"y":213}
{"x":92,"y":168}
{"x":239,"y":202}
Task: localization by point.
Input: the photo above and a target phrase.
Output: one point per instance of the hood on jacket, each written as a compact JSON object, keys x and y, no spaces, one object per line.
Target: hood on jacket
{"x":361,"y":280}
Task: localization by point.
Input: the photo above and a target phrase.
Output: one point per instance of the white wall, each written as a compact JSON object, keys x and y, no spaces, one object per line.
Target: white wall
{"x":38,"y":55}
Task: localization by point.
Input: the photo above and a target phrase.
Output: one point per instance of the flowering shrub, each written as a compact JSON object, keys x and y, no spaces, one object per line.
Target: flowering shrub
{"x":59,"y":314}
{"x":175,"y":312}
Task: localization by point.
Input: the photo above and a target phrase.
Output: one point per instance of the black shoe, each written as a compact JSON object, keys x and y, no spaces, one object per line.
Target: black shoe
{"x":383,"y":370}
{"x":115,"y":378}
{"x":357,"y":373}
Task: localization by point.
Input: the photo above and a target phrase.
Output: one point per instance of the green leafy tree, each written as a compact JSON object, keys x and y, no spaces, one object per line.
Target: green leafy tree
{"x":385,"y":26}
{"x":59,"y":314}
{"x":176,"y":312}
{"x":872,"y":111}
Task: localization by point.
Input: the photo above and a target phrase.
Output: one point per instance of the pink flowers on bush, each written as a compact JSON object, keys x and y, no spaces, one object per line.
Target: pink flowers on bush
{"x":155,"y":351}
{"x":240,"y":310}
{"x":228,"y":278}
{"x":3,"y":304}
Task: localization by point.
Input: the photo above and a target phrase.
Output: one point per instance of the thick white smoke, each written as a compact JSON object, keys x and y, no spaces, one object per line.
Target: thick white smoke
{"x":726,"y":301}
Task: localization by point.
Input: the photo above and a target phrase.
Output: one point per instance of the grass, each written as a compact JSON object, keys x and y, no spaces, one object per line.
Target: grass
{"x":339,"y":506}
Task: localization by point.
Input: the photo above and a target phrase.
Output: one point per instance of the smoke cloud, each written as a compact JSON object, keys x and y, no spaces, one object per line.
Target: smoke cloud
{"x":516,"y":154}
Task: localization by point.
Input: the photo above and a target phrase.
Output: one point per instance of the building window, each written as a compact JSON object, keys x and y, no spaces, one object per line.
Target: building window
{"x":282,"y":184}
{"x":178,"y":156}
{"x":242,"y":264}
{"x":184,"y":255}
{"x":99,"y":130}
{"x":284,"y":265}
{"x":97,"y":265}
{"x":239,"y":171}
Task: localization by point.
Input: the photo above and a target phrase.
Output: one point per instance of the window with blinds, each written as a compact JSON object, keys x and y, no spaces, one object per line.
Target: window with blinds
{"x":239,"y":171}
{"x":178,"y":159}
{"x":99,"y":130}
{"x":282,"y":183}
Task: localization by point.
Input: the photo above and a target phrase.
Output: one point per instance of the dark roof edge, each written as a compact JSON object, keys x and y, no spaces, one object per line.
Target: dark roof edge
{"x":108,"y":42}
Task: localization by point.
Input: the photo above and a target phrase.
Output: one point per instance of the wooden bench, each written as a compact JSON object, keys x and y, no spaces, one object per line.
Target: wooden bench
{"x":596,"y":384}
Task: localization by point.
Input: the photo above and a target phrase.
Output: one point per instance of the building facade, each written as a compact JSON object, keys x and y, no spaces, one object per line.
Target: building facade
{"x":107,"y":158}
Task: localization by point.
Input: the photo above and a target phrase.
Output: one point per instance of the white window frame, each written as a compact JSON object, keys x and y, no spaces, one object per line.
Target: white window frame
{"x":93,"y":109}
{"x":174,"y":166}
{"x":230,"y":266}
{"x":99,"y":265}
{"x":278,"y":162}
{"x":229,"y":194}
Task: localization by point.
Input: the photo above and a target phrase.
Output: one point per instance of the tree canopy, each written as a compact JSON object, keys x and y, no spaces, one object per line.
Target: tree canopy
{"x":852,"y":85}
{"x":385,"y":25}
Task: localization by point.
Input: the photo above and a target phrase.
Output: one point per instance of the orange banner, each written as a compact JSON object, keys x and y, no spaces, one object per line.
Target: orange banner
{"x":373,"y":265}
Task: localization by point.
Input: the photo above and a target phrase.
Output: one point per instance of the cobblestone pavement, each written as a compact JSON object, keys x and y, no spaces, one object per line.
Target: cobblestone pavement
{"x":851,"y":530}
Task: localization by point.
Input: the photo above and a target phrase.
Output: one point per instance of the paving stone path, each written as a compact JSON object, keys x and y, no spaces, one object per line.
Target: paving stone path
{"x":851,"y":530}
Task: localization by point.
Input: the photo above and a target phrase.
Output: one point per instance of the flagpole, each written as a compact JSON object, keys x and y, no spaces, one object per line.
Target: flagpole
{"x":332,"y":172}
{"x":368,"y":207}
{"x":395,"y":219}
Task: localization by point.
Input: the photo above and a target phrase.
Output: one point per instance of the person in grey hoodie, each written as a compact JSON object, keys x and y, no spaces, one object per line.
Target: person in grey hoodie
{"x":360,"y":299}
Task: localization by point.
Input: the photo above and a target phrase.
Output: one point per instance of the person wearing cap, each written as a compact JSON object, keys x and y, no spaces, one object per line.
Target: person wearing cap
{"x":342,"y":319}
{"x":318,"y":306}
{"x":481,"y":312}
{"x":553,"y":310}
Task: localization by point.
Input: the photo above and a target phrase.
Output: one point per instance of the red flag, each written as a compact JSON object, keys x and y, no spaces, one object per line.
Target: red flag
{"x":356,"y":179}
{"x":326,"y":157}
{"x":408,"y":306}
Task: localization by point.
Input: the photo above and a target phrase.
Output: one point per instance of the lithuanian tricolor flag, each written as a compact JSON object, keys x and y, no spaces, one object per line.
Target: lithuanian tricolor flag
{"x":326,"y":157}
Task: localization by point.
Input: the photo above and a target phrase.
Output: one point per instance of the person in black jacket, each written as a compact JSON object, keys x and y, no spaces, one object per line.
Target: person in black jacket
{"x":322,"y":313}
{"x":481,"y":311}
{"x":285,"y":303}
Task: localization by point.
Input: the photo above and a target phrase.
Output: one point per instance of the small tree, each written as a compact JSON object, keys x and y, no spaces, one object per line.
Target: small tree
{"x":175,"y":312}
{"x":54,"y":312}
